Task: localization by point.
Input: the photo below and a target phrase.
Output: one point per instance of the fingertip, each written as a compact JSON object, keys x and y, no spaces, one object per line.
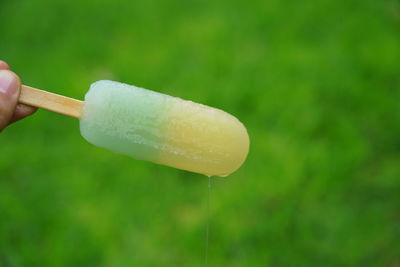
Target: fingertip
{"x":10,"y":84}
{"x":16,"y":77}
{"x":22,"y":111}
{"x":25,"y":110}
{"x":9,"y":90}
{"x":4,"y":65}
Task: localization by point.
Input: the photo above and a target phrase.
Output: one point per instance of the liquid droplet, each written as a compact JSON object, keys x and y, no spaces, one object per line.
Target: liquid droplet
{"x":208,"y":219}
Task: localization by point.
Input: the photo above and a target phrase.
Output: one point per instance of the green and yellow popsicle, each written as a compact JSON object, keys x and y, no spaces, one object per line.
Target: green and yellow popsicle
{"x":159,"y":128}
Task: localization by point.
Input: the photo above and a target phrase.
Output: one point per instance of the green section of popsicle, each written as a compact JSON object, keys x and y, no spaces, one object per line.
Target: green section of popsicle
{"x":125,"y":119}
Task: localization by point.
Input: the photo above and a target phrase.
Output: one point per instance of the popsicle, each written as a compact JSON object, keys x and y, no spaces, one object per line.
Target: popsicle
{"x":148,"y":125}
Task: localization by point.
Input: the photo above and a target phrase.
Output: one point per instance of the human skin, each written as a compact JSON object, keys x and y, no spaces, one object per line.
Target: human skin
{"x":10,"y":110}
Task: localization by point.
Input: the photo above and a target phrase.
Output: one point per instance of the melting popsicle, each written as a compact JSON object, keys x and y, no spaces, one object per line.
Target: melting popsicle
{"x":151,"y":126}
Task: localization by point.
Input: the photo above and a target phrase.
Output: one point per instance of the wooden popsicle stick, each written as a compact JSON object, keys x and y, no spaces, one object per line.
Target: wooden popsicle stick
{"x":50,"y":101}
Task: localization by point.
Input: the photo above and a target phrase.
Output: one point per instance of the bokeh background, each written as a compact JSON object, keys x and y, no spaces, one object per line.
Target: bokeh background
{"x":316,"y":82}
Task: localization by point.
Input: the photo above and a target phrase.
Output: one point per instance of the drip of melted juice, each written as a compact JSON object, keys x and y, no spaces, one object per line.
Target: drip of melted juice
{"x":208,"y":219}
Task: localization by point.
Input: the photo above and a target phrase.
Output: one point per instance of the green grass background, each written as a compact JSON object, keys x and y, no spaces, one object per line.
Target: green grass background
{"x":316,"y":82}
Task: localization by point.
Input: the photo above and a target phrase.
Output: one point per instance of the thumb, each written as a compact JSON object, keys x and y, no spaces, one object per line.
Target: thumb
{"x":9,"y":93}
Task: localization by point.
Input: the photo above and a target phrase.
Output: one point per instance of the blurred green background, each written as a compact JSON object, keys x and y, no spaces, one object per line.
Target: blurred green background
{"x":316,"y":82}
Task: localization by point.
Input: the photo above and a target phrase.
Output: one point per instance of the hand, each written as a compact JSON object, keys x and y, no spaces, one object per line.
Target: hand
{"x":10,"y":110}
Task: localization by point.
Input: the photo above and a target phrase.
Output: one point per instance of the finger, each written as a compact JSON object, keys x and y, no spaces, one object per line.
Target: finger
{"x":9,"y":92}
{"x":22,"y":111}
{"x":4,"y":65}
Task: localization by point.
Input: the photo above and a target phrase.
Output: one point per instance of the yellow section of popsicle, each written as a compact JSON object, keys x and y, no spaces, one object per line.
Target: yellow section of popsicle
{"x":203,"y":139}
